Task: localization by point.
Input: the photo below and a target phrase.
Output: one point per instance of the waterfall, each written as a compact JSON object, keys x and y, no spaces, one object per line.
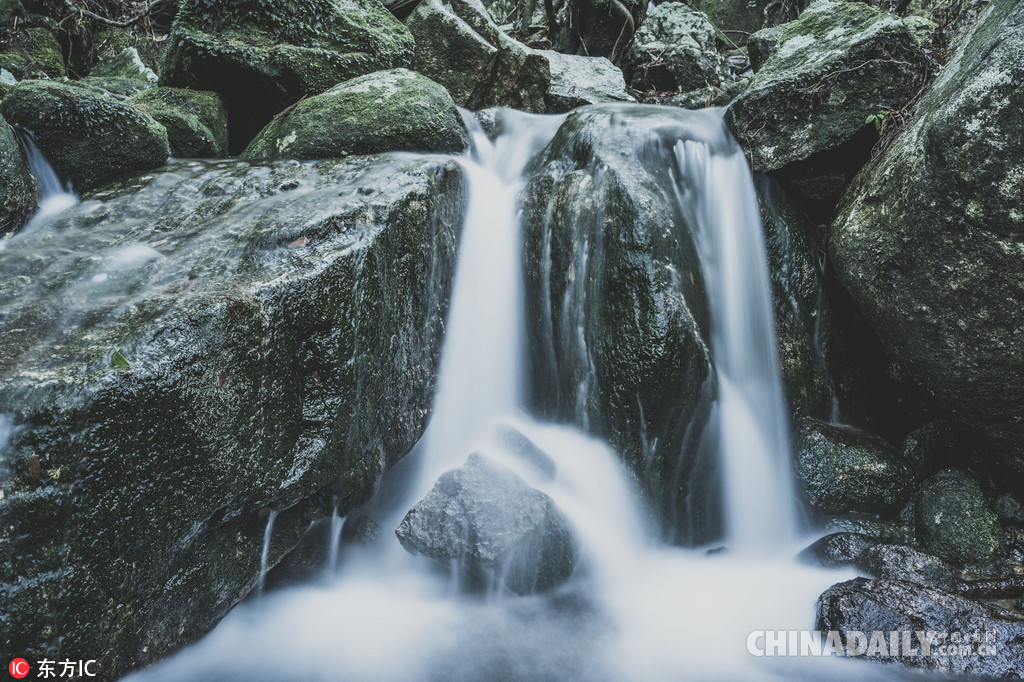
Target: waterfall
{"x":268,"y":533}
{"x":55,"y":196}
{"x":751,"y":418}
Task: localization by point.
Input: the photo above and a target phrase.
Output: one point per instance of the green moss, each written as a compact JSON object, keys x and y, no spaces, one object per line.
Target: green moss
{"x":41,"y":51}
{"x":15,"y":64}
{"x":954,"y":521}
{"x":196,"y":122}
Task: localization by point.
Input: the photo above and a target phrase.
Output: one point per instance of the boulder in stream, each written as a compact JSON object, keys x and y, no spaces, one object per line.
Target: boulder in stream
{"x":17,"y":186}
{"x":954,"y":520}
{"x":196,"y":121}
{"x":494,"y":525}
{"x":677,"y":51}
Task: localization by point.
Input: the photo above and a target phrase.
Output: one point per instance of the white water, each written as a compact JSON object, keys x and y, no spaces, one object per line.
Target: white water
{"x":635,"y":609}
{"x":268,"y":534}
{"x":55,"y":196}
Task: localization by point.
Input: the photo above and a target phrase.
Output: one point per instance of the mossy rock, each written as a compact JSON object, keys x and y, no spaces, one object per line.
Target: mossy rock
{"x":843,"y":469}
{"x":17,"y":186}
{"x":125,"y":64}
{"x":41,"y":51}
{"x":15,"y":64}
{"x":122,"y":88}
{"x":282,"y":324}
{"x":821,"y":77}
{"x":395,"y":110}
{"x":676,"y":50}
{"x":11,"y":12}
{"x":264,"y":55}
{"x":90,"y":137}
{"x":954,"y":520}
{"x":196,"y":121}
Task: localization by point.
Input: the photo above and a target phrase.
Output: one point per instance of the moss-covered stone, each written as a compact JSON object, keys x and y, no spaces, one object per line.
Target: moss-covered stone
{"x":88,"y":136}
{"x":826,"y":73}
{"x":41,"y":51}
{"x":459,"y":46}
{"x":954,"y":520}
{"x":743,"y":17}
{"x":15,"y":64}
{"x":843,"y":469}
{"x":395,"y":110}
{"x":616,"y":303}
{"x":125,"y":64}
{"x":282,"y":323}
{"x":264,"y":55}
{"x":122,"y":88}
{"x":676,"y":50}
{"x":196,"y":121}
{"x":929,"y":240}
{"x":11,"y":12}
{"x":17,"y":187}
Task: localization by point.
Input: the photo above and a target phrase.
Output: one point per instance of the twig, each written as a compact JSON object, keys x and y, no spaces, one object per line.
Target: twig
{"x":82,"y":12}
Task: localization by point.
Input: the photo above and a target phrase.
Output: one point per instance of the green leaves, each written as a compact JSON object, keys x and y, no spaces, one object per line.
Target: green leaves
{"x":118,"y":360}
{"x":878,"y":119}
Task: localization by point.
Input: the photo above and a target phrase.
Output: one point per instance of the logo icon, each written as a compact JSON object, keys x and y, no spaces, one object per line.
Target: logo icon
{"x":18,"y":668}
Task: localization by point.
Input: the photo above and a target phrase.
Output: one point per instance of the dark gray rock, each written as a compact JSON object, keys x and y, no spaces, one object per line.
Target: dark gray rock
{"x":125,"y":64}
{"x":676,"y":50}
{"x":486,"y":518}
{"x":577,"y":81}
{"x":196,"y":121}
{"x":954,"y":521}
{"x":599,"y":28}
{"x":17,"y":186}
{"x":899,"y":562}
{"x":837,"y":549}
{"x":281,"y":323}
{"x":885,"y":605}
{"x":843,"y":469}
{"x":928,"y":240}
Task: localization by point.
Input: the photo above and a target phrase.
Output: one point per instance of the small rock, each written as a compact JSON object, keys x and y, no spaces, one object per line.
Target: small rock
{"x":954,"y":521}
{"x":837,"y":549}
{"x":677,"y":51}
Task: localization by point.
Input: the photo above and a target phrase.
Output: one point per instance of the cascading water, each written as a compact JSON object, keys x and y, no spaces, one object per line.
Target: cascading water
{"x":55,"y":196}
{"x":635,"y":608}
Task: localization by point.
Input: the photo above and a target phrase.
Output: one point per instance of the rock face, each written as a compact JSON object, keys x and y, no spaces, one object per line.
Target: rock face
{"x":826,"y":72}
{"x":17,"y":187}
{"x":578,"y":81}
{"x":125,"y":64}
{"x":495,"y":525}
{"x":184,"y":351}
{"x":929,"y":240}
{"x":459,"y":46}
{"x":384,"y":111}
{"x":954,"y":520}
{"x":89,"y":136}
{"x":868,"y":605}
{"x":844,"y":469}
{"x":677,"y":51}
{"x":615,"y":300}
{"x":263,"y":56}
{"x":837,"y":549}
{"x":898,"y":562}
{"x":196,"y":121}
{"x":600,"y":28}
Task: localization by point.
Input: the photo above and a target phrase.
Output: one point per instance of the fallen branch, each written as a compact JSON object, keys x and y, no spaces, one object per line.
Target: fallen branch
{"x":82,"y":12}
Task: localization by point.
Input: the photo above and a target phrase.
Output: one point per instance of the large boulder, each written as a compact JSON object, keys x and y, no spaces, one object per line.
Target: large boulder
{"x":677,"y":51}
{"x":740,"y":18}
{"x":615,"y":298}
{"x":489,"y":520}
{"x":577,"y":81}
{"x":40,"y":50}
{"x":844,"y":469}
{"x":196,"y":121}
{"x":17,"y":186}
{"x":263,"y":56}
{"x":88,"y":136}
{"x":866,"y":606}
{"x":930,"y":240}
{"x":384,"y":111}
{"x":184,"y":352}
{"x":954,"y":520}
{"x":825,"y":74}
{"x":899,"y":562}
{"x":459,"y":46}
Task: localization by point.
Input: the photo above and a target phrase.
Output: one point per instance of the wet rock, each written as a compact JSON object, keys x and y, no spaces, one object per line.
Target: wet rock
{"x":89,"y":137}
{"x":843,"y":469}
{"x":459,"y":46}
{"x":928,"y":240}
{"x":41,"y":52}
{"x":676,"y":50}
{"x":196,"y":121}
{"x":394,"y":110}
{"x":362,"y":530}
{"x":885,"y":605}
{"x":899,"y":562}
{"x":954,"y":521}
{"x":616,"y":300}
{"x":823,"y":75}
{"x":125,"y":64}
{"x":577,"y":81}
{"x":264,"y":56}
{"x":894,"y":531}
{"x":494,"y":525}
{"x":121,"y":88}
{"x":1009,"y":510}
{"x":517,"y":443}
{"x":17,"y":186}
{"x":282,"y":324}
{"x":837,"y":549}
{"x":937,"y":445}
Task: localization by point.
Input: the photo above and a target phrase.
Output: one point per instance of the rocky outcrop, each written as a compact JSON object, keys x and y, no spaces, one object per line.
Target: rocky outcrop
{"x":677,"y":51}
{"x":394,"y":110}
{"x":17,"y":186}
{"x":265,"y":56}
{"x":899,"y":562}
{"x":190,"y":349}
{"x":928,"y":240}
{"x":837,"y":549}
{"x":494,"y":526}
{"x":125,"y":64}
{"x":954,"y":520}
{"x":459,"y":46}
{"x":866,"y":606}
{"x":844,"y":469}
{"x":89,"y":136}
{"x":615,"y":300}
{"x":577,"y":81}
{"x":821,"y":77}
{"x":599,"y":28}
{"x":196,"y":121}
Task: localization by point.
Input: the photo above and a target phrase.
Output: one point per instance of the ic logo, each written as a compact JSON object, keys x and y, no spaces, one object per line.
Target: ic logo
{"x":18,"y":668}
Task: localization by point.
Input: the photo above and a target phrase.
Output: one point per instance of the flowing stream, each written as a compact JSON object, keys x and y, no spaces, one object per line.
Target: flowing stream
{"x":636,"y":608}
